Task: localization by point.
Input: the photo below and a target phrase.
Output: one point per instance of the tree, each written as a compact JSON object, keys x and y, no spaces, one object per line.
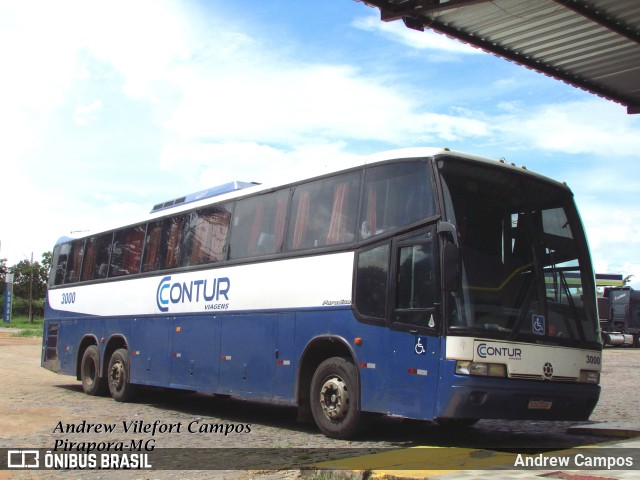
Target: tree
{"x":47,"y":261}
{"x":3,"y":268}
{"x":30,"y":280}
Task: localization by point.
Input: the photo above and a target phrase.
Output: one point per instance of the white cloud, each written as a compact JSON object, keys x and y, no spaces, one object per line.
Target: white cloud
{"x":427,"y":40}
{"x":613,"y":231}
{"x":229,"y":106}
{"x":219,"y":163}
{"x":588,"y":126}
{"x":292,"y":104}
{"x":244,"y":100}
{"x":34,"y":47}
{"x":87,"y":113}
{"x":143,"y":40}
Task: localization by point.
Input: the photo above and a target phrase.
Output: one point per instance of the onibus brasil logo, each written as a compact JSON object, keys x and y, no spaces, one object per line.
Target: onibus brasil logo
{"x":212,"y":292}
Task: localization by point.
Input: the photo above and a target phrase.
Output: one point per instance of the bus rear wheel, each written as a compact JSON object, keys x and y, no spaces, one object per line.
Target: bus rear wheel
{"x":457,"y":422}
{"x":335,"y":402}
{"x":92,"y":382}
{"x":118,"y":376}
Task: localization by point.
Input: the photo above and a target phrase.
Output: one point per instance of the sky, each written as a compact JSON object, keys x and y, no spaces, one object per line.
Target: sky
{"x":107,"y":108}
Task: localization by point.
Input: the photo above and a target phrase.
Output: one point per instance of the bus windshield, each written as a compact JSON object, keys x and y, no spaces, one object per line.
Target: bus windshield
{"x":525,"y":271}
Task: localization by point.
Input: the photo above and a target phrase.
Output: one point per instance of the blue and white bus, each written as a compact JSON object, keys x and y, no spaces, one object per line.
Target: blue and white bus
{"x":423,"y":283}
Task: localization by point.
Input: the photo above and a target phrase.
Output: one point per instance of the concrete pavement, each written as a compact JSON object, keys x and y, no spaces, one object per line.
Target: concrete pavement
{"x":452,"y":463}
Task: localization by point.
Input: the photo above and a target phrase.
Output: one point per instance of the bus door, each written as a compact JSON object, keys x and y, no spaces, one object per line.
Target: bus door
{"x":195,"y":353}
{"x":414,"y":322}
{"x":284,"y":377}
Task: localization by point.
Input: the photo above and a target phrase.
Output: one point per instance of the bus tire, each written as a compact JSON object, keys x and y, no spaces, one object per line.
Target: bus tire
{"x":335,"y":402}
{"x":457,"y":422}
{"x":92,"y":382}
{"x":118,"y":376}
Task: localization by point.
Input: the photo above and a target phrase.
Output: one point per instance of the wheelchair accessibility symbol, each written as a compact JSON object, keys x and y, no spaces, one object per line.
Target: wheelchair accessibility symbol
{"x":537,"y":324}
{"x":419,"y":347}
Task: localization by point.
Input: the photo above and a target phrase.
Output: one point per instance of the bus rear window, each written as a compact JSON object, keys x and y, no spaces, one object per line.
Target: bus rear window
{"x":59,"y":264}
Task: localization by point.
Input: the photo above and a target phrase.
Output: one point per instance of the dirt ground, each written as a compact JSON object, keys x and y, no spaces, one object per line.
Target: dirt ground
{"x":34,"y":400}
{"x":19,"y":417}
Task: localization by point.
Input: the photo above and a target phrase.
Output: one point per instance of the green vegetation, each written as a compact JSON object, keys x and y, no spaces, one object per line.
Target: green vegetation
{"x":29,"y":290}
{"x":27,"y":329}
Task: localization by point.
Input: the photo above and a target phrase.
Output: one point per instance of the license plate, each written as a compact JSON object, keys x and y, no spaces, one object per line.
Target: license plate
{"x":539,"y":405}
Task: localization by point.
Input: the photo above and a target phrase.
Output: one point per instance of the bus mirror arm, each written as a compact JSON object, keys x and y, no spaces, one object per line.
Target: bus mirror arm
{"x":450,"y":253}
{"x":450,"y":228}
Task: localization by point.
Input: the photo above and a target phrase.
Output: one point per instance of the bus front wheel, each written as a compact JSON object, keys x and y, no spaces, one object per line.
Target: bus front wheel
{"x":335,"y":402}
{"x":118,"y":376}
{"x":92,"y":382}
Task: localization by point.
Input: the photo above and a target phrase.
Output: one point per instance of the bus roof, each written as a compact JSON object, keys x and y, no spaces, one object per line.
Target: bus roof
{"x":232,"y":190}
{"x":202,"y":194}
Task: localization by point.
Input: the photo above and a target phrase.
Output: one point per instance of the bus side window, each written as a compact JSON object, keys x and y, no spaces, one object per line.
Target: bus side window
{"x":126,"y":251}
{"x":324,"y":212}
{"x":74,"y":261}
{"x":395,"y":195}
{"x":59,"y":264}
{"x":258,"y":225}
{"x":344,"y":209}
{"x":172,"y":231}
{"x":96,"y":257}
{"x":372,"y":278}
{"x":151,"y":257}
{"x":205,"y":235}
{"x":163,"y":244}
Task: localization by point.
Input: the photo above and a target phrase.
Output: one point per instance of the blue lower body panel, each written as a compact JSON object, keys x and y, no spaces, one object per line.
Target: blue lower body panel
{"x":503,"y":398}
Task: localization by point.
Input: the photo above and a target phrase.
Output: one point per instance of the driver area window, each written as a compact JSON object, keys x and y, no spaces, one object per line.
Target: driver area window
{"x":415,"y":286}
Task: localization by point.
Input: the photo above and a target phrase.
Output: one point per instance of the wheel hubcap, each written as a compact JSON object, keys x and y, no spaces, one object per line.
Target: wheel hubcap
{"x":116,"y":377}
{"x":334,"y":399}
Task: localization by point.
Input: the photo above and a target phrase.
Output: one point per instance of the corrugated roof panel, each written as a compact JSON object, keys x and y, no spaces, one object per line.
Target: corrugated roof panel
{"x":592,"y":44}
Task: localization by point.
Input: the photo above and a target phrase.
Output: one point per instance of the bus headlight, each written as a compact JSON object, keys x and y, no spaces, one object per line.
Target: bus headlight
{"x":589,"y":376}
{"x":464,"y":367}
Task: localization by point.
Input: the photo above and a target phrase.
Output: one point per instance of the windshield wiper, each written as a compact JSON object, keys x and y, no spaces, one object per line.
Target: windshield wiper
{"x":572,"y":304}
{"x":523,"y":299}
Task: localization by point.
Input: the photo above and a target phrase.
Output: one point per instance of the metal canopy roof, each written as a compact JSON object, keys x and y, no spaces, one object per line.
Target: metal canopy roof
{"x":590,"y":44}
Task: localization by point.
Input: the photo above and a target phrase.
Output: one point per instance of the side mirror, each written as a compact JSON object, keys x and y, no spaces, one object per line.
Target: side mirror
{"x":450,"y":270}
{"x":450,"y":257}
